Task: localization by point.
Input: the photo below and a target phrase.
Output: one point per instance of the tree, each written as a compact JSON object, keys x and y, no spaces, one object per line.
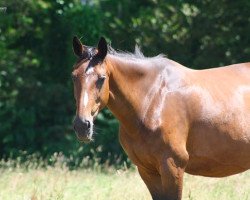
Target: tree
{"x":36,"y":95}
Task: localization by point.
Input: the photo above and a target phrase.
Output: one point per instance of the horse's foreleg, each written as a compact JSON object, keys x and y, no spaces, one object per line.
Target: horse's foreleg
{"x":172,"y":180}
{"x":166,"y":185}
{"x":153,"y":181}
{"x":172,"y":172}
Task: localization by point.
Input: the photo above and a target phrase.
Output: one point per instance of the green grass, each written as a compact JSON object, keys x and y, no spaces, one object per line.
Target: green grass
{"x":36,"y":183}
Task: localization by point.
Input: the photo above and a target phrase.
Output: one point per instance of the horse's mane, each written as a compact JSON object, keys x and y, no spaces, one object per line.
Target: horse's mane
{"x":136,"y":56}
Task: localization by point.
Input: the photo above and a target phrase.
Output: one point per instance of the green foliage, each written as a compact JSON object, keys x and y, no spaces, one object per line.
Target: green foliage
{"x":36,"y":96}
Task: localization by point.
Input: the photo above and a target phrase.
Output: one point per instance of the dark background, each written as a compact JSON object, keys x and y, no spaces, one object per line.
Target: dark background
{"x":36,"y":59}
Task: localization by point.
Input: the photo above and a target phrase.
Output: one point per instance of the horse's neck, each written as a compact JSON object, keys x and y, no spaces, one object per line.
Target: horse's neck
{"x":129,"y":85}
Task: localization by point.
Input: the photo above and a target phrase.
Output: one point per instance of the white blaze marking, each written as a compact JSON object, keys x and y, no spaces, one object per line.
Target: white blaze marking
{"x":85,"y":99}
{"x":90,"y":70}
{"x":86,"y":96}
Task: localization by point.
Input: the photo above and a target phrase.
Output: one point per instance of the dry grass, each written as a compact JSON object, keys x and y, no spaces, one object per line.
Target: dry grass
{"x":34,"y":179}
{"x":235,"y":187}
{"x":60,"y":183}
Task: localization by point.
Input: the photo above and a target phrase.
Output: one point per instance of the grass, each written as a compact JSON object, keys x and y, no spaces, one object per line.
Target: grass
{"x":59,"y":183}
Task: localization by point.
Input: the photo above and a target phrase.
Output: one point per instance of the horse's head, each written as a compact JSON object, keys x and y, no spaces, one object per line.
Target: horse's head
{"x":91,"y":87}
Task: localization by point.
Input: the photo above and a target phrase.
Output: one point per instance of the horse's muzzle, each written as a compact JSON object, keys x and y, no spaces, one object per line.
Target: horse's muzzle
{"x":82,"y":128}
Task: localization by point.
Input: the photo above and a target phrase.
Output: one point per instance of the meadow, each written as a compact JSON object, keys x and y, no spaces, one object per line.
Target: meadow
{"x":57,"y":182}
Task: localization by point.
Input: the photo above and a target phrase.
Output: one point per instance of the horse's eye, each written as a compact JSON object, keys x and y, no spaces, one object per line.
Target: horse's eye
{"x":100,"y":81}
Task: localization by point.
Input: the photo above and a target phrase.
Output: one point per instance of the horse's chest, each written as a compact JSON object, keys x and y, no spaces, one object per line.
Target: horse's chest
{"x":140,"y":151}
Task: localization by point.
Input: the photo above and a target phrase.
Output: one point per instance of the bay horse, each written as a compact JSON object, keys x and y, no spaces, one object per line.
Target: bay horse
{"x":172,"y":119}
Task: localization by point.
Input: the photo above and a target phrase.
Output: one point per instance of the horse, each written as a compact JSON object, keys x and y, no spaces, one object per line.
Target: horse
{"x":173,"y":119}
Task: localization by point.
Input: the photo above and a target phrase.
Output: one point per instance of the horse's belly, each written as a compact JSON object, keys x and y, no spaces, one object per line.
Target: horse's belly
{"x":218,"y":151}
{"x":211,"y":168}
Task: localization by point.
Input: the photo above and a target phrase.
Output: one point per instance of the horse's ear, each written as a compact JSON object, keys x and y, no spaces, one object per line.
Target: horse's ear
{"x":77,"y":47}
{"x":102,"y":48}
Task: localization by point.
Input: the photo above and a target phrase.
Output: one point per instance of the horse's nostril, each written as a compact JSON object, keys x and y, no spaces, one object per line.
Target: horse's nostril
{"x":81,"y":125}
{"x":88,"y":124}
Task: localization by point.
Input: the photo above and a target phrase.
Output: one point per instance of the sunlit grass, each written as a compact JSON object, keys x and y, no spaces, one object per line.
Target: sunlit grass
{"x":235,"y":187}
{"x":58,"y":182}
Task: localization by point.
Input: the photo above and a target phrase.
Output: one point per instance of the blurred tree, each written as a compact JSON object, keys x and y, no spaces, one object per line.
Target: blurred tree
{"x":36,"y":96}
{"x":187,"y":31}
